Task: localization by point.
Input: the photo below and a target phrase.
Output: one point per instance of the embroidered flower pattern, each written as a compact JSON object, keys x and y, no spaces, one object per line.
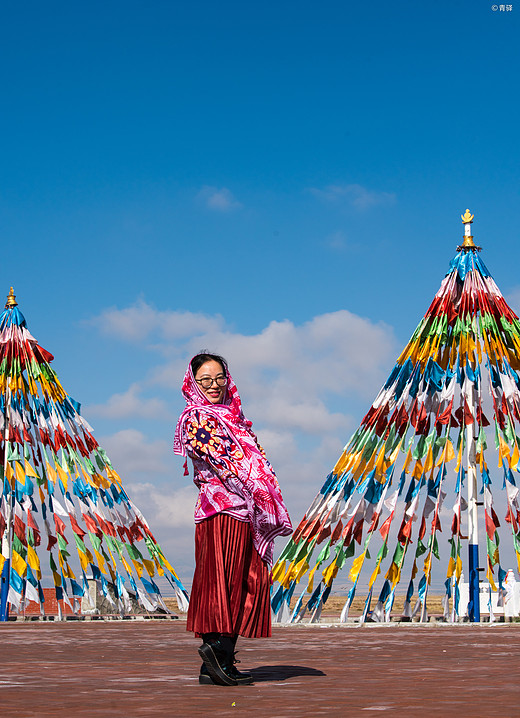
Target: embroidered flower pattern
{"x":201,"y":435}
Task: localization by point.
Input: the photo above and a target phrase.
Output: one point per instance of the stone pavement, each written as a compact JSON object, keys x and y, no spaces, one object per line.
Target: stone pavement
{"x":150,"y":668}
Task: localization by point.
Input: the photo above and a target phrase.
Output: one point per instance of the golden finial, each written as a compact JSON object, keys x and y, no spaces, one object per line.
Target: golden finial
{"x":11,"y":300}
{"x":468,"y":244}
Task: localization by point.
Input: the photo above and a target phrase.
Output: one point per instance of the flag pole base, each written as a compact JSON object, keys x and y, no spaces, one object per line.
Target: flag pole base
{"x":474,"y":588}
{"x":4,"y":592}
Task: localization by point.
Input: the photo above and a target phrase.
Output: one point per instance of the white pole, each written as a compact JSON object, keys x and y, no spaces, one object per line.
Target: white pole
{"x":469,"y":394}
{"x":474,"y":593}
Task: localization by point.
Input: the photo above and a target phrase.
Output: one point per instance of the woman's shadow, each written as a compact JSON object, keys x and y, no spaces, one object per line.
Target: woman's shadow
{"x":282,"y":673}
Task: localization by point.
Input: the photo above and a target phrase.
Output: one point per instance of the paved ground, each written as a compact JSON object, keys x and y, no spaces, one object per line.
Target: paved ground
{"x":135,"y":669}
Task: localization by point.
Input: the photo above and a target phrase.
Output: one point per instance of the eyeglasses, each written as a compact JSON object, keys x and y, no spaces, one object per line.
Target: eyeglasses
{"x":206,"y":382}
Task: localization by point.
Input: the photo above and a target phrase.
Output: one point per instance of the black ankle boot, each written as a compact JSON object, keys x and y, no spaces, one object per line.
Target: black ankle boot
{"x":215,"y":654}
{"x":220,"y":651}
{"x":240,"y":677}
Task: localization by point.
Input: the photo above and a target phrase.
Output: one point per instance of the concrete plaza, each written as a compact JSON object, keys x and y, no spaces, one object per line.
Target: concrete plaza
{"x":150,"y":668}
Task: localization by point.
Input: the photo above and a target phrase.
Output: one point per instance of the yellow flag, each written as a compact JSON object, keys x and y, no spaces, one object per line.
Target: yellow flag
{"x":113,"y":475}
{"x":393,"y":574}
{"x":330,"y":573}
{"x":303,"y":567}
{"x":150,"y":566}
{"x":451,"y":568}
{"x":380,"y":460}
{"x":83,"y":560}
{"x":63,"y":476}
{"x":278,"y":571}
{"x":138,"y":567}
{"x":371,"y":462}
{"x":29,"y":471}
{"x":458,"y":569}
{"x":356,"y":567}
{"x":101,"y":562}
{"x":288,"y":575}
{"x":479,"y":351}
{"x":459,"y":457}
{"x":168,"y":566}
{"x":34,"y":561}
{"x":18,"y":564}
{"x":504,"y":451}
{"x":341,"y":464}
{"x":407,"y":461}
{"x":414,"y":569}
{"x":51,"y":472}
{"x":462,"y":349}
{"x":375,"y":574}
{"x":418,"y":470}
{"x":20,"y":472}
{"x":9,"y":474}
{"x":311,"y":579}
{"x":428,"y":464}
{"x":394,"y":454}
{"x":490,"y":579}
{"x":69,"y":572}
{"x":449,"y":451}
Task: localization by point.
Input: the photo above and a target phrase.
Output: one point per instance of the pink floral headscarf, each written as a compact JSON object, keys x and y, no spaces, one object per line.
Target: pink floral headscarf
{"x":229,"y":412}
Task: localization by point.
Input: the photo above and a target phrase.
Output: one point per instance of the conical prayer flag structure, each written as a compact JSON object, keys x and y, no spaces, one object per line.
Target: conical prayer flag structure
{"x":64,"y":514}
{"x":454,"y":390}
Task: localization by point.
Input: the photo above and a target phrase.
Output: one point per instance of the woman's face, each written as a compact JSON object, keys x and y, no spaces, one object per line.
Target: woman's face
{"x":207,"y":376}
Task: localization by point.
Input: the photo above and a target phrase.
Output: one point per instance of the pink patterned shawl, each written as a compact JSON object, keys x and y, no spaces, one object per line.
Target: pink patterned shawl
{"x":255,"y":482}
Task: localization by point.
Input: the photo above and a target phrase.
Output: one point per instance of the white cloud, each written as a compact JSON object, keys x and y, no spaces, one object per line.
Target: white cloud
{"x":134,"y":455}
{"x":219,"y":199}
{"x":131,"y":404}
{"x":137,"y":322}
{"x":287,"y":374}
{"x":170,"y":509}
{"x":355,"y":195}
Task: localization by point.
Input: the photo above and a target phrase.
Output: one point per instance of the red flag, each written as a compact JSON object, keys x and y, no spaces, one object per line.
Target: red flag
{"x":444,"y":417}
{"x":358,"y":531}
{"x":436,"y":523}
{"x":422,"y":530}
{"x":490,"y":526}
{"x":385,"y":528}
{"x":347,"y":531}
{"x":76,"y":527}
{"x":406,"y":530}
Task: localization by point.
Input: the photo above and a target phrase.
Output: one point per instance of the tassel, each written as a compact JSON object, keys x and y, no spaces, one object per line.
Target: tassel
{"x":186,"y":472}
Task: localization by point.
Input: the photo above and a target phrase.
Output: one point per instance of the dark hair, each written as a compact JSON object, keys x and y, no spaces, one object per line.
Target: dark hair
{"x":203,"y":357}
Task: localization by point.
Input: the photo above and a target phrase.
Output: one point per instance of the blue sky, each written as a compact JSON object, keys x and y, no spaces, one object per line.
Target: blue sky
{"x":281,"y":182}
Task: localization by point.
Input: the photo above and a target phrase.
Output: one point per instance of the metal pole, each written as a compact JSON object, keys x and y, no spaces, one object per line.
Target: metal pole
{"x":474,"y":592}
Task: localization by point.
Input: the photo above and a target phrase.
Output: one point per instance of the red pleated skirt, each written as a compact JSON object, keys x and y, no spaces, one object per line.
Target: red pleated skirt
{"x":231,"y":585}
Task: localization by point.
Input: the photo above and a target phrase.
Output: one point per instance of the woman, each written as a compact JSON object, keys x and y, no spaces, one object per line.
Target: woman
{"x":238,"y":514}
